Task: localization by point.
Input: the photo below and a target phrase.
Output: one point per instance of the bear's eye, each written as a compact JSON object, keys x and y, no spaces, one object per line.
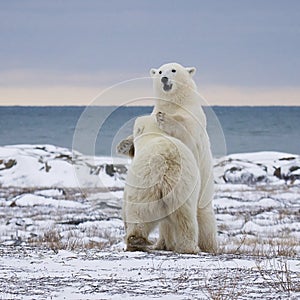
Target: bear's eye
{"x":173,"y":71}
{"x":160,"y":72}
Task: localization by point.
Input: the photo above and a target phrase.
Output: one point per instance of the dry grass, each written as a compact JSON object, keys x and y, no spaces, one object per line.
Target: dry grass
{"x":224,"y":285}
{"x":261,"y":247}
{"x":73,"y":240}
{"x":50,"y":239}
{"x":278,"y":276}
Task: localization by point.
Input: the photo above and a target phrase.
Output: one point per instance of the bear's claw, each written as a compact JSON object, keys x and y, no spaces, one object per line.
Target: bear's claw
{"x":160,"y":117}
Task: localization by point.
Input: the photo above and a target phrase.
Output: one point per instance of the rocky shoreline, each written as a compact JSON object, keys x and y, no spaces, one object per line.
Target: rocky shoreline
{"x":61,"y":240}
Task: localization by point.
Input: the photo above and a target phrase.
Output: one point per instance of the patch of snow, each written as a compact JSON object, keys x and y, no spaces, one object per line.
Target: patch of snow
{"x":268,"y":202}
{"x":50,"y":192}
{"x":36,"y":200}
{"x":50,"y":166}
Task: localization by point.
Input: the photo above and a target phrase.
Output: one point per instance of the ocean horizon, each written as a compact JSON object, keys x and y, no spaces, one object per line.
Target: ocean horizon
{"x":232,"y":129}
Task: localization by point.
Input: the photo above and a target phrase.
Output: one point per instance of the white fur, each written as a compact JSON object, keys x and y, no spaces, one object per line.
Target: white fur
{"x":162,"y":187}
{"x":180,"y":115}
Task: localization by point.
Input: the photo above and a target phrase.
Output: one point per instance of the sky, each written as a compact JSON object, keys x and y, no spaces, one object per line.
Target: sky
{"x":66,"y":52}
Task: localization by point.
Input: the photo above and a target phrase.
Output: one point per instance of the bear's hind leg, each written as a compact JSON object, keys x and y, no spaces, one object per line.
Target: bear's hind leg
{"x":184,"y":224}
{"x":166,"y":239}
{"x":207,"y":229}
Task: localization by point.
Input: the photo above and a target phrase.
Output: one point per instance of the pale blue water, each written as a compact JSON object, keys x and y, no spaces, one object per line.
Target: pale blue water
{"x":246,"y":129}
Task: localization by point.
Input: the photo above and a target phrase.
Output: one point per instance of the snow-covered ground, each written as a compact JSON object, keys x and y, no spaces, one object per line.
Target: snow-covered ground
{"x":61,"y":233}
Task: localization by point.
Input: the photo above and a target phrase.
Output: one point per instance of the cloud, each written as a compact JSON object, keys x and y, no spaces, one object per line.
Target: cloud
{"x":47,"y":96}
{"x":233,"y":42}
{"x":141,"y":90}
{"x":251,"y":96}
{"x":31,"y":87}
{"x":38,"y":78}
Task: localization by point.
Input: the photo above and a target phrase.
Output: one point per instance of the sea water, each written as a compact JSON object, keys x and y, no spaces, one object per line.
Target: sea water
{"x":231,"y":129}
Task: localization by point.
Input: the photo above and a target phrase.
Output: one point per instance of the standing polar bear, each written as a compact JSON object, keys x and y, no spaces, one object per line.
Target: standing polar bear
{"x":179,"y":113}
{"x":162,"y":187}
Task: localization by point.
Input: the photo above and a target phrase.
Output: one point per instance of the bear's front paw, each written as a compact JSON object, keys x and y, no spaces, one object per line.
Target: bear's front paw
{"x":125,"y":147}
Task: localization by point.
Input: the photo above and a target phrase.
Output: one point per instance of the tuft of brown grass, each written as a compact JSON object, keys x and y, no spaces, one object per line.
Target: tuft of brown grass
{"x":278,"y":276}
{"x":51,"y":239}
{"x":261,"y":247}
{"x":74,"y":240}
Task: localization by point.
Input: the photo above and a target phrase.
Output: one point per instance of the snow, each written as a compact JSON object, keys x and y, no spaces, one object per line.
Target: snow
{"x":61,"y":231}
{"x":50,"y":192}
{"x":34,"y":200}
{"x":260,"y":167}
{"x":50,"y":166}
{"x":112,"y":275}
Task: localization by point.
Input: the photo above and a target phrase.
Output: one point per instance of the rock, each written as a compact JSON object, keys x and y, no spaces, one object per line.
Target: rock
{"x":258,"y":168}
{"x":277,"y":173}
{"x":287,"y":158}
{"x":243,"y":175}
{"x":289,"y":172}
{"x":9,"y":164}
{"x":109,"y":170}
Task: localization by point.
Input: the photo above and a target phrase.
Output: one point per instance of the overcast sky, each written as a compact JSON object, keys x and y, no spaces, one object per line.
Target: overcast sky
{"x":64,"y":52}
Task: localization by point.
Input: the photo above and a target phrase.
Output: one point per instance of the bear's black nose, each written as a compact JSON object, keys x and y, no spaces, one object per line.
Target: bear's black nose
{"x":164,"y":80}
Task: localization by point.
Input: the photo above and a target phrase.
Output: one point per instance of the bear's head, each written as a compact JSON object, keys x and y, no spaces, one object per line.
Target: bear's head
{"x":172,"y":78}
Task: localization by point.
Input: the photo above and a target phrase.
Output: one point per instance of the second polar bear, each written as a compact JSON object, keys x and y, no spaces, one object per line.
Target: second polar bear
{"x":178,"y":105}
{"x":179,"y":113}
{"x":162,"y":187}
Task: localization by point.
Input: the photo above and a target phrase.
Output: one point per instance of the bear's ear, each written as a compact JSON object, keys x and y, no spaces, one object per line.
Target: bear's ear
{"x":191,"y":71}
{"x":153,"y":72}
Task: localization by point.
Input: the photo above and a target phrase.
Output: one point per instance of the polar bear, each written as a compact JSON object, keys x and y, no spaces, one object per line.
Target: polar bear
{"x":179,"y":114}
{"x":162,"y":187}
